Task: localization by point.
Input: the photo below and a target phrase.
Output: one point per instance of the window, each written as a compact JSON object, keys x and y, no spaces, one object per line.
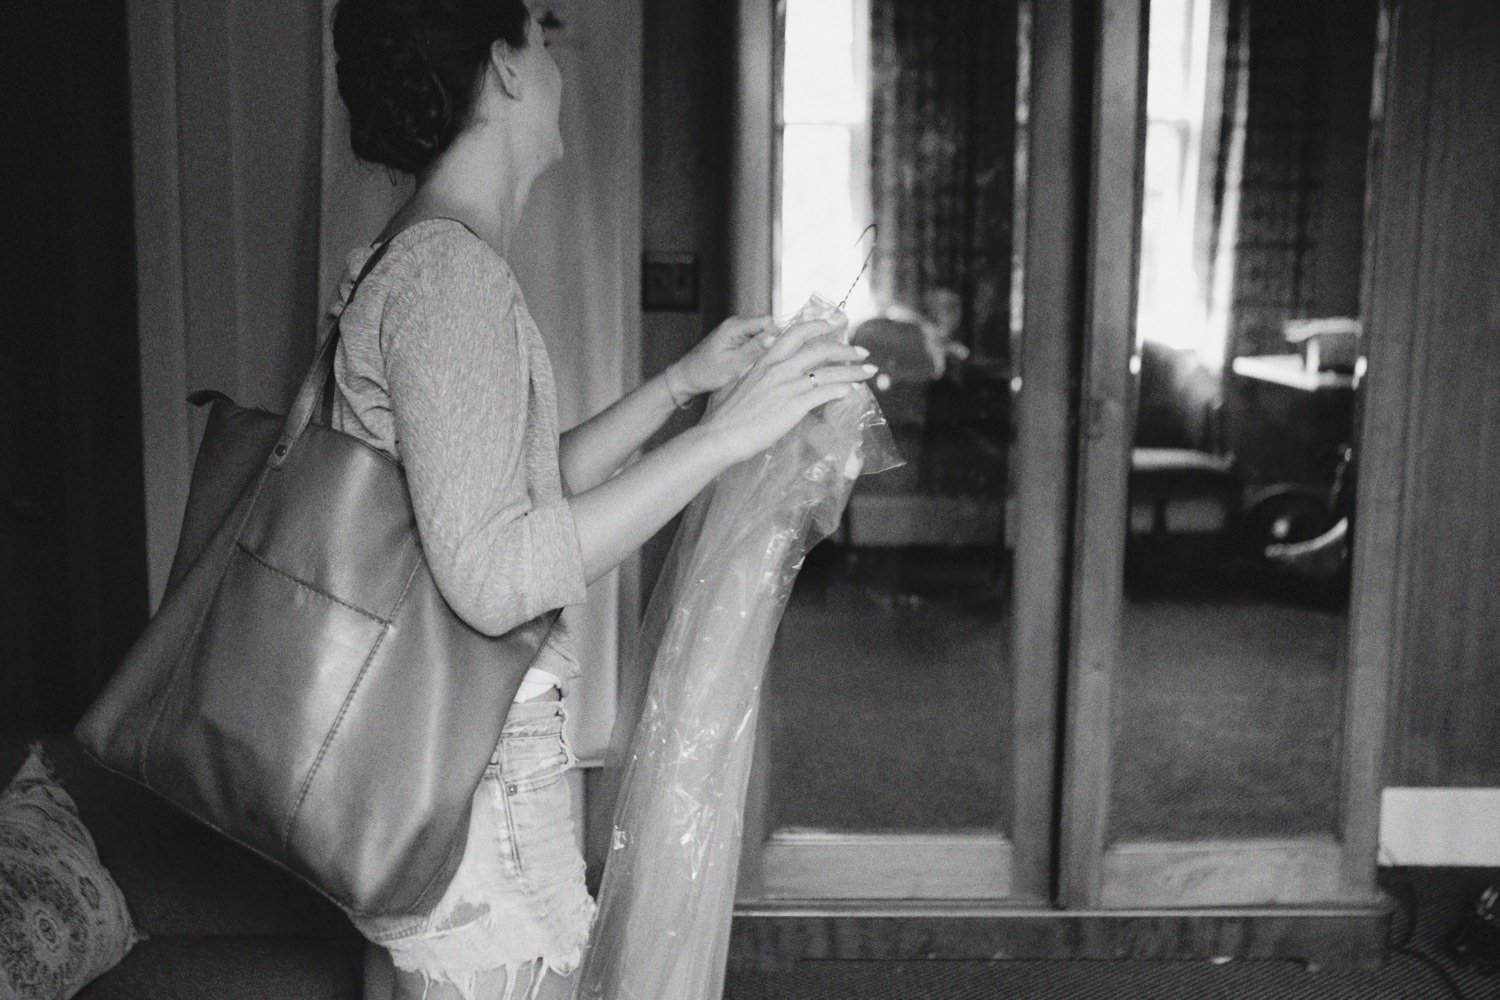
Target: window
{"x":1173,"y":308}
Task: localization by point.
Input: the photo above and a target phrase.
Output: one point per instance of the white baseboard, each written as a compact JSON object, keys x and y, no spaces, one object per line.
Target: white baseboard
{"x":1440,"y":826}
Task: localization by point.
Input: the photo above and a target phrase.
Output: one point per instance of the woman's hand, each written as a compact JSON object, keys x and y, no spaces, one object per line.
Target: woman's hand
{"x":802,"y":370}
{"x":721,"y":357}
{"x":616,"y":516}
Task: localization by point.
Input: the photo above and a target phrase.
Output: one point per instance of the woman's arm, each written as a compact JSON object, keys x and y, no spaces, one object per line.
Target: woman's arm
{"x":457,"y":371}
{"x":592,"y":452}
{"x":616,"y":517}
{"x":457,"y":377}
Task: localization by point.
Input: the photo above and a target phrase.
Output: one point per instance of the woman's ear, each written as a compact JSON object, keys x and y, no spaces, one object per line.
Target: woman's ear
{"x":503,"y":62}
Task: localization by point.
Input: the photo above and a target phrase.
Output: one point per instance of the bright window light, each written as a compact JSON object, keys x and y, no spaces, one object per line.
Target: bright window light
{"x":1174,"y":302}
{"x":824,"y":154}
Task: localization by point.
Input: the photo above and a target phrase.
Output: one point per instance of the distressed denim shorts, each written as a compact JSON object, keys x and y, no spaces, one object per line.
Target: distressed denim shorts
{"x":517,"y":900}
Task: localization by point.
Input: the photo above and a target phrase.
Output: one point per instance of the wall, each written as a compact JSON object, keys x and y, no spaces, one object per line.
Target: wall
{"x":72,"y":538}
{"x":687,"y":114}
{"x":244,"y":204}
{"x":574,"y":253}
{"x":1440,"y":286}
{"x":1432,"y":435}
{"x":688,"y":140}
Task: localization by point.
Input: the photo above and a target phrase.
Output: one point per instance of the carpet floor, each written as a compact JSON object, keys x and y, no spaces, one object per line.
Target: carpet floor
{"x":889,"y":705}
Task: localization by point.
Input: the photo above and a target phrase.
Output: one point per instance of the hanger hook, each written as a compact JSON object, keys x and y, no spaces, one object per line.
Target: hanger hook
{"x":871,"y":228}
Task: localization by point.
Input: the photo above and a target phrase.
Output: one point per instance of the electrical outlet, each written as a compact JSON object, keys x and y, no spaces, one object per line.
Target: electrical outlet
{"x":669,"y":282}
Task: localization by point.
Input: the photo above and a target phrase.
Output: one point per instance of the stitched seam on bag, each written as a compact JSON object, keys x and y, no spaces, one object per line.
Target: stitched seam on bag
{"x":428,"y":886}
{"x":291,"y":818}
{"x":312,"y":587}
{"x":175,"y":679}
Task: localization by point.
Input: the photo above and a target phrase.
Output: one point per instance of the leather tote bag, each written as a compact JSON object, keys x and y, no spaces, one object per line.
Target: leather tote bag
{"x":304,"y":688}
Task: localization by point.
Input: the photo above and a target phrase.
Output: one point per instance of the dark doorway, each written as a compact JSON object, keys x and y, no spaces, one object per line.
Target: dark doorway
{"x":72,"y":529}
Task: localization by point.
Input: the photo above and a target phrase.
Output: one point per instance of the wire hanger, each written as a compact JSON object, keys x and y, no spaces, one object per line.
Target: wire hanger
{"x":871,"y":228}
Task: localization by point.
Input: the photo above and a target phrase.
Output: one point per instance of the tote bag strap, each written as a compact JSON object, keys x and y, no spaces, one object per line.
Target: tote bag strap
{"x":310,"y":396}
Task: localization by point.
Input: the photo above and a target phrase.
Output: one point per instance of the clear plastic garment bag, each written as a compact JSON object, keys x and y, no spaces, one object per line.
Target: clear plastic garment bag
{"x":668,"y":890}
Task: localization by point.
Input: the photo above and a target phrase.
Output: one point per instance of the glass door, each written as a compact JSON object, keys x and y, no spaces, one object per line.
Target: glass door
{"x":1220,"y":743}
{"x":907,"y":745}
{"x":1090,"y":645}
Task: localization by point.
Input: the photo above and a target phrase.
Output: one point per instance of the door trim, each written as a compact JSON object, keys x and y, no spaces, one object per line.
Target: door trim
{"x":1296,"y":871}
{"x":801,"y":864}
{"x":774,"y":936}
{"x":1054,"y":285}
{"x":1104,"y":443}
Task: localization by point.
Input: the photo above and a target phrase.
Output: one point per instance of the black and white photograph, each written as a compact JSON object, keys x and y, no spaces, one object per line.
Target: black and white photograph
{"x":750,"y":500}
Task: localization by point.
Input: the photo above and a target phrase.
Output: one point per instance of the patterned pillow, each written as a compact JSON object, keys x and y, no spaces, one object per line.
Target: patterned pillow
{"x":63,"y":921}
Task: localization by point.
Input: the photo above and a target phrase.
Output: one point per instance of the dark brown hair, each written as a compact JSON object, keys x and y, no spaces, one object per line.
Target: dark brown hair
{"x":409,"y":70}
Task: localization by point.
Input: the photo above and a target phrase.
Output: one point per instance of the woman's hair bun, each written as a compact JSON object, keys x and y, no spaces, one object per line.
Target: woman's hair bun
{"x":407,"y":71}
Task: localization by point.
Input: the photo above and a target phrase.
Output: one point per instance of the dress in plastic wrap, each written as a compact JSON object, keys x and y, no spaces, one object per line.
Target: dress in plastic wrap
{"x":668,"y":891}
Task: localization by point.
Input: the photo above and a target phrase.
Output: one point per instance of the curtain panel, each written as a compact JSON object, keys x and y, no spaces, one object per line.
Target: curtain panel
{"x":942,"y":158}
{"x":1299,"y":227}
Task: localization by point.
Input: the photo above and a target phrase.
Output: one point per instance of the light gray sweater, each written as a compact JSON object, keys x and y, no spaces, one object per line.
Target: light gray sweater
{"x":441,"y":366}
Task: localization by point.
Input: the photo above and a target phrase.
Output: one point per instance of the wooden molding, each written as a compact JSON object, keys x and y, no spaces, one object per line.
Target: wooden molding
{"x":1296,"y":871}
{"x":752,"y":169}
{"x":801,"y":864}
{"x":1053,"y":293}
{"x":774,"y":935}
{"x":1106,"y":432}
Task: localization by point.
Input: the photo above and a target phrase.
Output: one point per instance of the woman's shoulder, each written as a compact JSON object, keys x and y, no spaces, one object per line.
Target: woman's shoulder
{"x":444,"y":288}
{"x":446,"y":252}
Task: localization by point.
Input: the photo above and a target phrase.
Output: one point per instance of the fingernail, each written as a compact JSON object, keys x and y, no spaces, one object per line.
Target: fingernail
{"x":870,"y":369}
{"x":863,"y":352}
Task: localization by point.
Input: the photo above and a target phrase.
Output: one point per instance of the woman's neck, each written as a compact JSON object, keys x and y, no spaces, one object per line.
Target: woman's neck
{"x":472,"y":184}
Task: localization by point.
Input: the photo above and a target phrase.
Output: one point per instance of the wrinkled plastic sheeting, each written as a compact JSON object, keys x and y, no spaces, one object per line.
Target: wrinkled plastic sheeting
{"x":662,"y":931}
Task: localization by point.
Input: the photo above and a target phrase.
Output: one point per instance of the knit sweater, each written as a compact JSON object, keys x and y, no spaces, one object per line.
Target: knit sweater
{"x":441,"y":366}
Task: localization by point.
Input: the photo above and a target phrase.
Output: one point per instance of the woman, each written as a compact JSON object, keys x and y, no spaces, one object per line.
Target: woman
{"x":441,"y":366}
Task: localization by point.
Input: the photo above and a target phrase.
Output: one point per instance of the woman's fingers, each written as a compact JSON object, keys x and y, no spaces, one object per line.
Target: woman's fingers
{"x":739,"y":329}
{"x":824,"y":352}
{"x":832,"y":374}
{"x":825,"y":394}
{"x":792,"y":341}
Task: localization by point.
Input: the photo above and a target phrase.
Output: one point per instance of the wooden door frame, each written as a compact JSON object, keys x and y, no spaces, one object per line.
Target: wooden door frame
{"x":1337,"y":868}
{"x":790,"y":868}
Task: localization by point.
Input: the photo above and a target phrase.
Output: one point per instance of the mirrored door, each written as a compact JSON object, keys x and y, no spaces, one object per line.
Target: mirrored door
{"x":907,"y":743}
{"x":1089,"y":646}
{"x":1219,"y":738}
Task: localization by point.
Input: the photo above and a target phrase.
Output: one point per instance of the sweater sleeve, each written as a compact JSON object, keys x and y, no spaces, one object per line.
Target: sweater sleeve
{"x":457,"y":371}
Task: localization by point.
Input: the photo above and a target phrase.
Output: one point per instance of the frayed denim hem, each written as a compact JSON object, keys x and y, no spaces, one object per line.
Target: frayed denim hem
{"x":466,"y":958}
{"x":468,"y":985}
{"x":467,"y":963}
